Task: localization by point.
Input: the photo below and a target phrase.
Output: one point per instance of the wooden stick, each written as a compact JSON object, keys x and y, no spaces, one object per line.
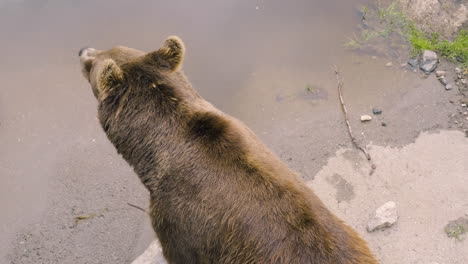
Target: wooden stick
{"x":137,"y":207}
{"x":350,"y":131}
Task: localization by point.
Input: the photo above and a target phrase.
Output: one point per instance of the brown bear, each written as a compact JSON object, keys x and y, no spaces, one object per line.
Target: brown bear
{"x":217,"y":194}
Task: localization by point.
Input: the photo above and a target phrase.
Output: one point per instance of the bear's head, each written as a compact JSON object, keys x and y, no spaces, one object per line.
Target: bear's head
{"x":109,"y":69}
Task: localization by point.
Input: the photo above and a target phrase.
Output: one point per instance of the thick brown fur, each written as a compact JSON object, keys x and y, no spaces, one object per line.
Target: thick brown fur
{"x":218,"y":195}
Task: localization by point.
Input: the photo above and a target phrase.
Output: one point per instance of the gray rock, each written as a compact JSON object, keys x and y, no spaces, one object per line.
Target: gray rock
{"x":448,"y":87}
{"x":413,"y":62}
{"x":442,"y":80}
{"x":385,"y":216}
{"x":384,"y":124}
{"x":429,"y":62}
{"x":376,"y":111}
{"x":445,"y":17}
{"x":458,"y":70}
{"x":365,"y":118}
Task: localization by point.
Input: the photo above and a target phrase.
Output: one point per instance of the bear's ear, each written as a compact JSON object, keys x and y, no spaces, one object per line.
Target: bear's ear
{"x":170,"y":55}
{"x":108,"y":76}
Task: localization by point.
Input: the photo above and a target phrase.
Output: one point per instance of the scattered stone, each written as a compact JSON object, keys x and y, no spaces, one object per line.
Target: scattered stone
{"x":465,"y":113}
{"x":384,"y":124}
{"x":457,"y":228}
{"x":429,"y":62}
{"x":448,"y":87}
{"x":385,"y":216}
{"x":464,"y":105}
{"x":413,"y":62}
{"x":374,"y":57}
{"x":442,"y":80}
{"x":365,"y":118}
{"x":458,"y":70}
{"x":152,"y":255}
{"x":390,"y":64}
{"x":440,"y":74}
{"x":376,"y":111}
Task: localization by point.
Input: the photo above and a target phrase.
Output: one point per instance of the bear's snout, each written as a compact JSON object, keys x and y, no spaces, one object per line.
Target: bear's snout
{"x":81,"y":51}
{"x":86,"y":53}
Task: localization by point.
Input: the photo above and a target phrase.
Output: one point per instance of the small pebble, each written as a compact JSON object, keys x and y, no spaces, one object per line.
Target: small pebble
{"x":448,"y":87}
{"x":365,"y":118}
{"x":385,"y":216}
{"x":376,"y":111}
{"x":384,"y":124}
{"x":440,"y":73}
{"x":374,"y":57}
{"x":413,"y":62}
{"x":442,"y":80}
{"x":464,"y":105}
{"x":390,"y":64}
{"x":458,"y":70}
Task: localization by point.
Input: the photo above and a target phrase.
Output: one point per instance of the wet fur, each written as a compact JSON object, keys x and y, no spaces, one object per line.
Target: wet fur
{"x":217,"y":194}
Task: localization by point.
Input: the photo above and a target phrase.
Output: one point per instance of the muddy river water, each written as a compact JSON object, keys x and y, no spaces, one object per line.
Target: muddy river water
{"x":269,"y":63}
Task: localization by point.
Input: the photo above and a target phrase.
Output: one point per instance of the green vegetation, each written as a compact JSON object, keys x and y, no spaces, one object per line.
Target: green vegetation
{"x":455,"y":230}
{"x":385,"y":21}
{"x":456,"y":50}
{"x":390,"y":20}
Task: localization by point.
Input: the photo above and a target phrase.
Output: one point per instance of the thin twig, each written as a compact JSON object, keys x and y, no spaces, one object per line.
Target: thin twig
{"x":137,"y":207}
{"x":350,"y":131}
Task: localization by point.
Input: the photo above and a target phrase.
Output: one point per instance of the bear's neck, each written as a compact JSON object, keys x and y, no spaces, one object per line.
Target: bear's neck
{"x":145,"y":141}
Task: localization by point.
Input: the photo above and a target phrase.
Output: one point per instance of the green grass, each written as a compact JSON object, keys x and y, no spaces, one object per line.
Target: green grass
{"x":455,"y":231}
{"x":392,"y":20}
{"x":309,"y":88}
{"x":456,"y":50}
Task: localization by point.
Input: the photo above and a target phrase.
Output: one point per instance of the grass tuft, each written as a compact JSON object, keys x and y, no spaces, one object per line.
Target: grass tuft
{"x":392,"y":20}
